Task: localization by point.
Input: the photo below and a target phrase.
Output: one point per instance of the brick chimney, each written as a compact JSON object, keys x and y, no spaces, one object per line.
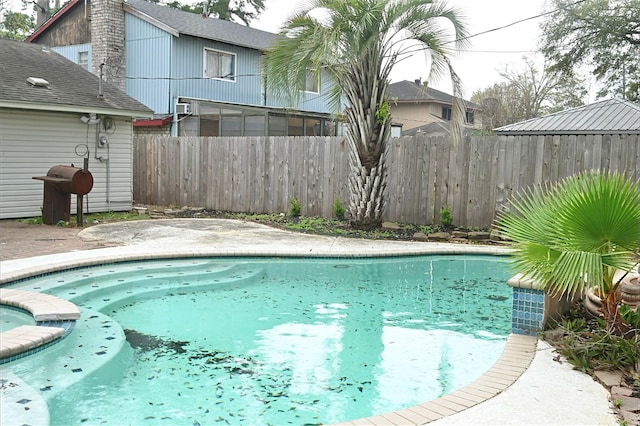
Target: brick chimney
{"x":107,"y":41}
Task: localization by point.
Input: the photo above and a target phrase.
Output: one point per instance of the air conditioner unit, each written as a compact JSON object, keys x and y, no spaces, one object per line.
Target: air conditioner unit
{"x":182,"y":109}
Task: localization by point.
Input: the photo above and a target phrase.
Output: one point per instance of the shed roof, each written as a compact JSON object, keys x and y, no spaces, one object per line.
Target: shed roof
{"x":410,"y":92}
{"x":610,"y":116}
{"x":193,"y":24}
{"x":70,"y":86}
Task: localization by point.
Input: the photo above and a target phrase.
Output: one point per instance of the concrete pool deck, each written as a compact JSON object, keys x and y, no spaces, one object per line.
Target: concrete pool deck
{"x":548,"y":392}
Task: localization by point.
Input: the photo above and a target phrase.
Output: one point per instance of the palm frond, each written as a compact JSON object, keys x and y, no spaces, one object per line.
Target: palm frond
{"x":576,"y":233}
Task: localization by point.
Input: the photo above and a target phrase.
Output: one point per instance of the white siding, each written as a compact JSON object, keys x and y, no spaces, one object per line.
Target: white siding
{"x":33,"y":142}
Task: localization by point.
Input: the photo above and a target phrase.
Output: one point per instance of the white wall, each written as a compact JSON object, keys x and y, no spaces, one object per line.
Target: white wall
{"x":31,"y":142}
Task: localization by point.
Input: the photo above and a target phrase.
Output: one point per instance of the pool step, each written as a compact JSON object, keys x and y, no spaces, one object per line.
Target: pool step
{"x":120,"y":272}
{"x":102,"y":295}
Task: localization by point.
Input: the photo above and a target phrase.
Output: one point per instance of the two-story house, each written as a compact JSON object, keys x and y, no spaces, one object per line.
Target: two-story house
{"x":415,"y":105}
{"x":201,"y":76}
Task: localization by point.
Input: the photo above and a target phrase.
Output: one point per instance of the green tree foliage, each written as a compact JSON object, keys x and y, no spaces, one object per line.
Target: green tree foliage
{"x":16,"y":25}
{"x":356,"y":43}
{"x":245,"y":10}
{"x":601,"y":35}
{"x":527,"y":93}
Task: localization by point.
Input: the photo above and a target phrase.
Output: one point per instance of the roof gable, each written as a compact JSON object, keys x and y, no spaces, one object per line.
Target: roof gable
{"x":179,"y":22}
{"x":610,"y":116}
{"x":70,"y":86}
{"x":411,"y":92}
{"x":51,"y":21}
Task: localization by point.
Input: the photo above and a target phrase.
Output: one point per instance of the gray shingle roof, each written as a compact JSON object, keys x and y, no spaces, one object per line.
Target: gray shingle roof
{"x":409,"y":91}
{"x":611,"y":116}
{"x":435,"y":129}
{"x":71,"y":87}
{"x":196,"y":25}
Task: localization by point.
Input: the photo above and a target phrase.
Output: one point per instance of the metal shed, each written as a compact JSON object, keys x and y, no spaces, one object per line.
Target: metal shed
{"x":610,"y":117}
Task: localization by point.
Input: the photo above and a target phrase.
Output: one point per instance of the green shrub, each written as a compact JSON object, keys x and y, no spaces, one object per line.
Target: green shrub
{"x":338,"y":209}
{"x":588,"y":344}
{"x":445,"y":217}
{"x":294,"y":207}
{"x":600,"y":350}
{"x":426,"y":229}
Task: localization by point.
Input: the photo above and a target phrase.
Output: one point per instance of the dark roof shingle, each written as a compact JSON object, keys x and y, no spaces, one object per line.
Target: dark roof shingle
{"x":196,"y":25}
{"x":71,"y":87}
{"x":411,"y":92}
{"x":611,"y":116}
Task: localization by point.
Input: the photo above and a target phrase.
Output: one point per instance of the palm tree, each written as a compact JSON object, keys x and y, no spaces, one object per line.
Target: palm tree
{"x":356,"y":43}
{"x":578,"y":234}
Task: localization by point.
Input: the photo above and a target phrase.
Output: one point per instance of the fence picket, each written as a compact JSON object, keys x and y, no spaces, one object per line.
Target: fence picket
{"x":261,"y":174}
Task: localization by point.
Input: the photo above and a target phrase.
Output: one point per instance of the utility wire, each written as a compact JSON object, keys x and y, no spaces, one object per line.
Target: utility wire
{"x":517,"y":22}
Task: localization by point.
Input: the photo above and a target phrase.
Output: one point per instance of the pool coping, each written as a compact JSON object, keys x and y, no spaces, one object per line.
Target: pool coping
{"x":516,"y":357}
{"x":48,"y":311}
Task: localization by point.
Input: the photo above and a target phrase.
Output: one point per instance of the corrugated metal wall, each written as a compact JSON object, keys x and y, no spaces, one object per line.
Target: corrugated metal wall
{"x":32,"y":142}
{"x":72,"y":52}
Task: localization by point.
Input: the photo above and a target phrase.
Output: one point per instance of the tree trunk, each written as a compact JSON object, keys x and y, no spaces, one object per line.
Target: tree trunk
{"x":43,"y":12}
{"x":366,"y":188}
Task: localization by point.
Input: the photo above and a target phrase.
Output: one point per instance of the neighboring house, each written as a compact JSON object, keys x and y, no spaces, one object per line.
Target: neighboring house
{"x":435,"y":129}
{"x":201,"y":76}
{"x":414,"y":104}
{"x":54,"y":112}
{"x":607,"y":117}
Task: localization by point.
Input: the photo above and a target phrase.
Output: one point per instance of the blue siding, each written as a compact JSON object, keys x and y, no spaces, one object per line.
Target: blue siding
{"x":188,"y":67}
{"x":148,"y":56}
{"x":161,"y":68}
{"x":72,"y":52}
{"x":312,"y":102}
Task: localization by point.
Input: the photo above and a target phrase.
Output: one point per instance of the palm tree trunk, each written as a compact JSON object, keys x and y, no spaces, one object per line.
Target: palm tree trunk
{"x":366,"y":188}
{"x":367,"y":135}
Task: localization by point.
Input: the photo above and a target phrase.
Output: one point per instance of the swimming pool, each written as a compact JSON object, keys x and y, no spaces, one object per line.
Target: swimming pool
{"x":269,"y":340}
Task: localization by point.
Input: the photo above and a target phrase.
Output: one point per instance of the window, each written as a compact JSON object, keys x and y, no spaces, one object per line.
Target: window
{"x":231,"y":122}
{"x":220,"y":65}
{"x":209,"y":120}
{"x":83,"y":59}
{"x":446,"y":113}
{"x":312,"y":127}
{"x":312,"y":82}
{"x":469,"y":117}
{"x":277,"y":125}
{"x":254,"y":125}
{"x":296,"y":126}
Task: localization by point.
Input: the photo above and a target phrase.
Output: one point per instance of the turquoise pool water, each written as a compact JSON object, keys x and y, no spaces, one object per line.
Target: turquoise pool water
{"x":268,"y":341}
{"x":11,"y":317}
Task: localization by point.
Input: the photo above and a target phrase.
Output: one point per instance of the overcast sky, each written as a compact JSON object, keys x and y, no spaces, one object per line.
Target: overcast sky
{"x":478,"y":68}
{"x":489,"y":53}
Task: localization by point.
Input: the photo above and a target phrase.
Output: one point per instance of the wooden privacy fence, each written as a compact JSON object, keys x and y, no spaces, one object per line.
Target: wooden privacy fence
{"x":262,"y":174}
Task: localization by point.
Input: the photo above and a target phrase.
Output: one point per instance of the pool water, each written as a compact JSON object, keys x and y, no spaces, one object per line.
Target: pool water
{"x":11,"y":317}
{"x":269,"y":341}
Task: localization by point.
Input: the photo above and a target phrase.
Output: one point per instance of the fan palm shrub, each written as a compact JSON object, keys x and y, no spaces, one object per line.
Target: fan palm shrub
{"x":581,"y":233}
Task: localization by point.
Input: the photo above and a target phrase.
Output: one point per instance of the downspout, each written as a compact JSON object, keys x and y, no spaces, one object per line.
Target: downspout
{"x":108,"y":180}
{"x":100,"y":88}
{"x":171,"y":98}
